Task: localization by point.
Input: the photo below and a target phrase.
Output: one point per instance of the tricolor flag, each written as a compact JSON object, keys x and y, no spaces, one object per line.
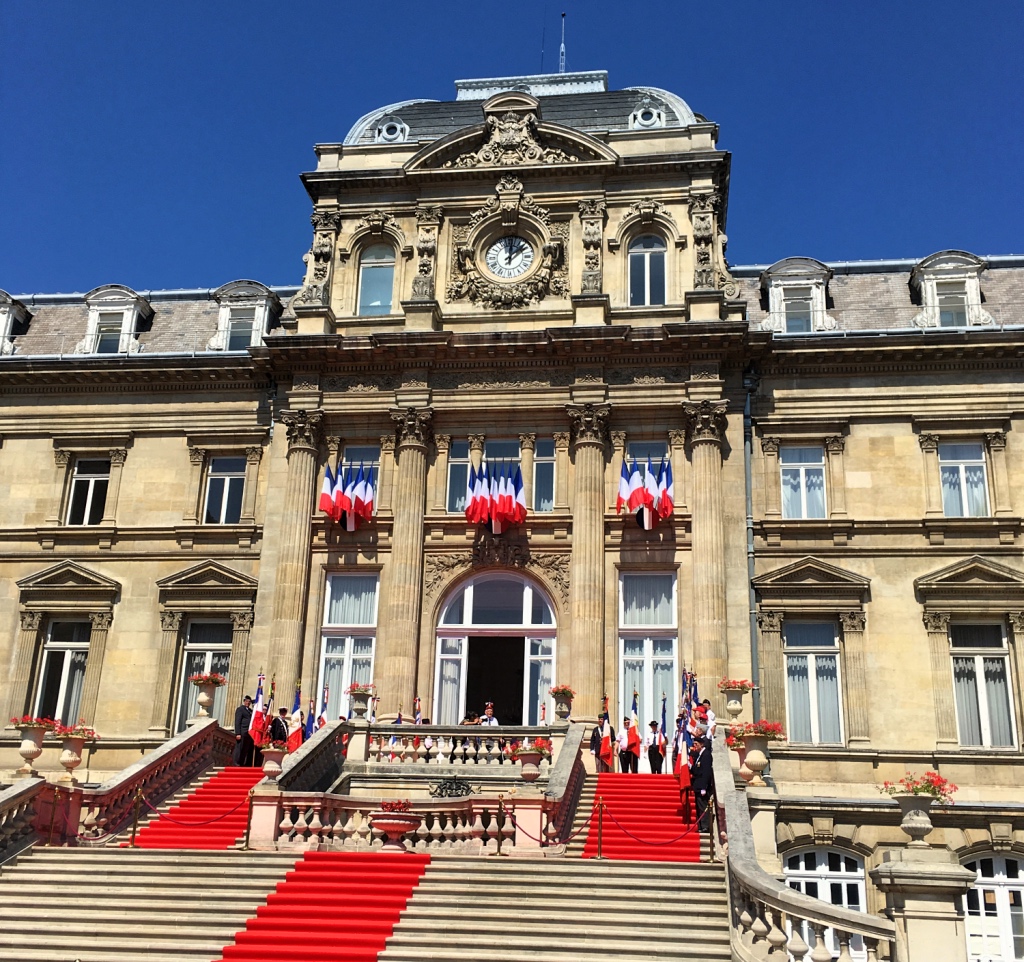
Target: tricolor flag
{"x":342,"y":492}
{"x":607,"y":751}
{"x":327,"y":492}
{"x":646,"y":513}
{"x":295,"y":721}
{"x":368,"y":496}
{"x":482,"y":490}
{"x":622,"y":499}
{"x":373,"y":710}
{"x":471,"y":500}
{"x":633,"y":741}
{"x":661,"y":731}
{"x":518,"y":498}
{"x":359,"y":495}
{"x":418,"y":711}
{"x":635,"y":498}
{"x":666,"y":490}
{"x":497,"y":499}
{"x":258,"y":723}
{"x":322,"y":717}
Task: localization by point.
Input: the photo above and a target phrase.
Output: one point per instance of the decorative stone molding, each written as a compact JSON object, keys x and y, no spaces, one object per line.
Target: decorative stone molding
{"x":996,"y":441}
{"x":30,"y":620}
{"x":551,"y":567}
{"x":769,"y":620}
{"x":171,"y":620}
{"x":118,"y":456}
{"x":562,"y":439}
{"x":443,"y":442}
{"x":101,"y":620}
{"x":413,"y":425}
{"x":835,"y":444}
{"x":476,"y":442}
{"x":703,"y":208}
{"x":589,"y":423}
{"x":242,"y":620}
{"x":316,"y":287}
{"x":852,"y":620}
{"x":512,"y":140}
{"x":647,"y":113}
{"x":61,"y":457}
{"x":527,"y":442}
{"x":196,"y":455}
{"x":428,"y":221}
{"x":643,"y":215}
{"x":770,"y":446}
{"x":1016,"y":619}
{"x":705,"y":420}
{"x":949,"y":272}
{"x":304,"y":428}
{"x":935,"y":620}
{"x":593,"y":212}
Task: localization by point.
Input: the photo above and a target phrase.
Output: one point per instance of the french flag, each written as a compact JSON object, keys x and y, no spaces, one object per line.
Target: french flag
{"x":359,"y":493}
{"x":471,"y":505}
{"x":322,"y":718}
{"x":295,"y":723}
{"x":519,"y":504}
{"x":483,"y":494}
{"x":348,"y":500}
{"x":310,"y":721}
{"x":497,"y":498}
{"x":342,"y":492}
{"x":646,"y":515}
{"x":635,"y":498}
{"x":666,"y":491}
{"x":661,"y":731}
{"x":258,"y":723}
{"x":607,"y":750}
{"x":622,"y":499}
{"x":327,"y":492}
{"x":367,"y":513}
{"x":633,"y":741}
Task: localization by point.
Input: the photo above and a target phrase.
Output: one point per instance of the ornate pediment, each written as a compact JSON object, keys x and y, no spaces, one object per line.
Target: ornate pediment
{"x":208,"y":584}
{"x":512,"y":135}
{"x":812,"y":580}
{"x":68,"y":585}
{"x":974,"y":579}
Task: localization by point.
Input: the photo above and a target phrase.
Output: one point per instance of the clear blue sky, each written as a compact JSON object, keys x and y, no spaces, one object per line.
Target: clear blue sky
{"x":159,"y":144}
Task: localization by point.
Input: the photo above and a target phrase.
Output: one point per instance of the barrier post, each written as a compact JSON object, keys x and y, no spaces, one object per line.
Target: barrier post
{"x":501,"y":824}
{"x":135,"y":816}
{"x":54,"y":802}
{"x":248,"y":821}
{"x":600,"y":826}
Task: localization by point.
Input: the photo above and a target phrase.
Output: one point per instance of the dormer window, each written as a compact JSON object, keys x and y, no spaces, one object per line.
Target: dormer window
{"x":247,"y":311}
{"x":797,"y":293}
{"x":108,"y":333}
{"x":115,"y":313}
{"x":12,"y":314}
{"x":948,"y":287}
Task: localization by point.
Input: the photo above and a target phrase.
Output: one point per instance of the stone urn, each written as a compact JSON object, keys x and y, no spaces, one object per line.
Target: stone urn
{"x":359,"y":701}
{"x":205,"y":698}
{"x":72,"y":747}
{"x":915,"y":822}
{"x":272,"y":761}
{"x":530,"y":762}
{"x":755,"y":758}
{"x":734,"y":701}
{"x":31,"y":746}
{"x":563,"y":706}
{"x":745,"y":772}
{"x":393,"y":825}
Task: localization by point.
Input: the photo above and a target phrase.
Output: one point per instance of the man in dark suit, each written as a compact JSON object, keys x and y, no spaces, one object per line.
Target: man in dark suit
{"x":702,"y":777}
{"x":244,"y":747}
{"x":279,"y":726}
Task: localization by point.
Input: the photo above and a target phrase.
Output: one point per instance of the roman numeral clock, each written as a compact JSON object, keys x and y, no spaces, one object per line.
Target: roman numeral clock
{"x":509,"y":257}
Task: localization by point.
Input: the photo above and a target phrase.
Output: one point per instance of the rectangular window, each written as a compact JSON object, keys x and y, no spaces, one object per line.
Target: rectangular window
{"x":458,"y":475}
{"x":803,"y":482}
{"x":63,"y":671}
{"x":207,"y":651}
{"x":350,"y":620}
{"x":367,"y":457}
{"x":962,"y":473}
{"x":224,"y":490}
{"x":240,"y":325}
{"x":981,"y":685}
{"x":798,"y":310}
{"x":642,"y":451}
{"x":812,"y":682}
{"x":108,"y":333}
{"x":88,"y":491}
{"x":544,"y":475}
{"x":952,"y":301}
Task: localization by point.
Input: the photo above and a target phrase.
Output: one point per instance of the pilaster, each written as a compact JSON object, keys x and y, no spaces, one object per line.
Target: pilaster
{"x":238,"y":673}
{"x":932,"y":492}
{"x":442,"y":443}
{"x":772,"y":478}
{"x":858,"y":728}
{"x":995,"y":441}
{"x":526,"y":448}
{"x":677,"y":454}
{"x":117,"y":456}
{"x":936,"y":623}
{"x":618,"y":439}
{"x":253,"y":456}
{"x":94,"y":664}
{"x":387,"y":473}
{"x":773,"y":665}
{"x":561,"y":470}
{"x":18,"y":693}
{"x":163,"y":689}
{"x":834,"y":447}
{"x":196,"y":460}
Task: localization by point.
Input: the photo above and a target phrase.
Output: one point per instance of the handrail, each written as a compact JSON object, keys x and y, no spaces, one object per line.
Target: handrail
{"x":17,"y":812}
{"x":316,"y":766}
{"x":753,"y":890}
{"x":565,"y":782}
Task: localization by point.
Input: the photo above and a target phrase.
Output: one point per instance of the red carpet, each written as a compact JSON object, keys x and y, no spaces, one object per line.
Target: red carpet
{"x":649,"y":807}
{"x":333,"y":907}
{"x":227,"y":790}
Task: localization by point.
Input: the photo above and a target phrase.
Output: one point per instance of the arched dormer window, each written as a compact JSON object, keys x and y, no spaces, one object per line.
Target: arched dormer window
{"x":646,"y":271}
{"x":376,"y":280}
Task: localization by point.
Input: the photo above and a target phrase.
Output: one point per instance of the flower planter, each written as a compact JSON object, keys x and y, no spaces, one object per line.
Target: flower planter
{"x":394,"y":825}
{"x":915,"y":822}
{"x":272,"y":762}
{"x":31,"y":747}
{"x":530,"y":765}
{"x":359,"y":701}
{"x":734,"y":701}
{"x":756,"y":758}
{"x":71,"y":756}
{"x":563,"y":706}
{"x":205,"y":699}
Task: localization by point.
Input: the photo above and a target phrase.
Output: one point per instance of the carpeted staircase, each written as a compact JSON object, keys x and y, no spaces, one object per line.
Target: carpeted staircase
{"x":639,"y":810}
{"x":333,"y":907}
{"x":210,"y":817}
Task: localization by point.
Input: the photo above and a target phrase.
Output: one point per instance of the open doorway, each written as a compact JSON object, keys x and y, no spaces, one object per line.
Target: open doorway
{"x":495,"y":673}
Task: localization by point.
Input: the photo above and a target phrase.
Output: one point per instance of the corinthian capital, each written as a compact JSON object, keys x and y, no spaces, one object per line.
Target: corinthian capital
{"x":705,"y":420}
{"x":304,"y":428}
{"x":413,"y":425}
{"x":589,"y":422}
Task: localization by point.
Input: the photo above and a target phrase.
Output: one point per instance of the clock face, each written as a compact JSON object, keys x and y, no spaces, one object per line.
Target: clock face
{"x":509,"y":257}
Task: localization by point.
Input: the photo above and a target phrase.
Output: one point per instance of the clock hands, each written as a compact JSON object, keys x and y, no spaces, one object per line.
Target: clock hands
{"x":509,"y":250}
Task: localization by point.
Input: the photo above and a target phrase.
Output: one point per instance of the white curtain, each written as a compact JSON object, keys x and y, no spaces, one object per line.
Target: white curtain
{"x":664,"y":672}
{"x":195,"y":663}
{"x":977,"y":499}
{"x":647,"y":600}
{"x":220,"y":663}
{"x":76,"y":679}
{"x":965,"y":686}
{"x":798,"y":692}
{"x":353,"y":600}
{"x":952,"y":500}
{"x":791,"y":506}
{"x":632,"y":677}
{"x":827,"y":688}
{"x":814,"y":482}
{"x":334,"y":677}
{"x":451,"y":676}
{"x":998,"y":696}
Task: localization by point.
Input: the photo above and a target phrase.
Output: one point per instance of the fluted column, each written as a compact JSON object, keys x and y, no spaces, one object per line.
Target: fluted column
{"x":705,"y":422}
{"x":527,"y":443}
{"x":996,"y":444}
{"x":396,"y":660}
{"x":772,"y":478}
{"x":773,"y":666}
{"x":94,"y":665}
{"x":24,"y":655}
{"x":163,"y":688}
{"x":443,"y":443}
{"x":932,"y":490}
{"x":589,"y":438}
{"x":238,"y":671}
{"x":858,"y":728}
{"x":936,"y":623}
{"x":291,"y":577}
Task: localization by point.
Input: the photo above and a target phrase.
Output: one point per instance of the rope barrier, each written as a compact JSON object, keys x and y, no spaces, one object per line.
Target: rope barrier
{"x":644,"y":841}
{"x":209,"y":821}
{"x":71,"y":833}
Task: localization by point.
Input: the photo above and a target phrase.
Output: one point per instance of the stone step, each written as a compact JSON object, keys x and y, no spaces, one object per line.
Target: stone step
{"x":193,"y":883}
{"x":597,"y":942}
{"x":657,"y":919}
{"x":129,"y":946}
{"x":534,"y":953}
{"x":577,"y":868}
{"x":77,"y":954}
{"x":428,"y":903}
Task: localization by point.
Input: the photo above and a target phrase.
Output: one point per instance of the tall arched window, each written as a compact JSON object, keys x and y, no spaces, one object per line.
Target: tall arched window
{"x":832,"y":876}
{"x":376,"y":280}
{"x":646,"y":271}
{"x":995,"y":910}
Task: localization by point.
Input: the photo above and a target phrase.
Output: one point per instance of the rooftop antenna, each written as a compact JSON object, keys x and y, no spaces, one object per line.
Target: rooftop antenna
{"x":561,"y":49}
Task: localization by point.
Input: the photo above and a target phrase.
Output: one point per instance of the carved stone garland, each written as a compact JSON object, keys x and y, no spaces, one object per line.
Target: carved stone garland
{"x":512,"y":141}
{"x":429,"y":221}
{"x":592,"y":215}
{"x":316,"y":288}
{"x":702,"y":216}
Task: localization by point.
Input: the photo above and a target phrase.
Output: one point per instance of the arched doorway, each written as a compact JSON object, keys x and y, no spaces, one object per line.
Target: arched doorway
{"x":495,"y":642}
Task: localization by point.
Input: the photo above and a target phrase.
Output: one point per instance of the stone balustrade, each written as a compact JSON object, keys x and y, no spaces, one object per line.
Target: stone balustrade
{"x":17,"y":814}
{"x":771,"y":921}
{"x":461,"y":745}
{"x":565,"y":782}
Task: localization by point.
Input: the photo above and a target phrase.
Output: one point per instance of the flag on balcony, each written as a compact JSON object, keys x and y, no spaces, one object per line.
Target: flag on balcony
{"x":471,"y":503}
{"x":342,"y":492}
{"x":295,"y":721}
{"x":633,"y":742}
{"x":646,"y":514}
{"x":368,"y":496}
{"x":607,"y":750}
{"x":666,"y":490}
{"x":635,"y":499}
{"x":322,"y":717}
{"x":622,"y":498}
{"x":258,"y":722}
{"x":327,"y":492}
{"x":519,"y":498}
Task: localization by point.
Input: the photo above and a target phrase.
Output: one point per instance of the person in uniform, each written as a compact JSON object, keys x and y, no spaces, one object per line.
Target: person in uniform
{"x":628,"y":759}
{"x":487,"y":718}
{"x":279,"y":726}
{"x":654,"y":753}
{"x":702,"y":777}
{"x":244,"y":747}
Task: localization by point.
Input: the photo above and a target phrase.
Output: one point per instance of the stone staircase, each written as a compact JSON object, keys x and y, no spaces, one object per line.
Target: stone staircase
{"x":112,"y":904}
{"x":147,"y":816}
{"x":563,"y":910}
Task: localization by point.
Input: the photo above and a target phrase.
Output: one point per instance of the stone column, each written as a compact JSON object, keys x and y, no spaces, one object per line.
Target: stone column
{"x":396,"y":660}
{"x":163,"y":689}
{"x":586,"y":576}
{"x":476,"y":449}
{"x":94,"y":665}
{"x":773,"y":666}
{"x":858,"y":727}
{"x":936,"y":623}
{"x":561,"y":470}
{"x":772,"y":478}
{"x":677,"y":454}
{"x":996,"y":444}
{"x":238,"y":672}
{"x":117,"y":456}
{"x":834,"y":447}
{"x":387,"y":473}
{"x":705,"y":421}
{"x":253,"y":456}
{"x":196,"y":458}
{"x":18,"y":684}
{"x":618,"y":457}
{"x":291,"y":577}
{"x":526,"y":446}
{"x":932,"y":492}
{"x":443,"y":443}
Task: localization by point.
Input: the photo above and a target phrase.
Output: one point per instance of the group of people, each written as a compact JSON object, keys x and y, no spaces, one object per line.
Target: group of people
{"x":247,"y":752}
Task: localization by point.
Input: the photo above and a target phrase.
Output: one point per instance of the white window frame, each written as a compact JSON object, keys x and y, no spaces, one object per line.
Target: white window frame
{"x":979,"y":655}
{"x":640,"y":450}
{"x":229,"y":479}
{"x":376,"y":265}
{"x":803,"y":468}
{"x":811,"y":653}
{"x":545,"y":459}
{"x":457,"y":491}
{"x":50,"y":646}
{"x":996,"y":941}
{"x":824,"y":878}
{"x":962,"y":464}
{"x":191,"y":647}
{"x":89,"y":480}
{"x":791,"y":295}
{"x":645,"y":256}
{"x":349,"y":633}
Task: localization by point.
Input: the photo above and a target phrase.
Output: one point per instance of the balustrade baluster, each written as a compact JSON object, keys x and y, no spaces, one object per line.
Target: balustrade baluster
{"x":286,"y":824}
{"x":301,"y":825}
{"x":821,"y":951}
{"x":421,"y":835}
{"x":777,"y":937}
{"x":477,"y":830}
{"x":346,"y":828}
{"x":871,"y":946}
{"x":797,"y":947}
{"x":435,"y":832}
{"x":490,"y":824}
{"x":759,"y":927}
{"x":316,"y":828}
{"x":844,"y":946}
{"x":471,"y":752}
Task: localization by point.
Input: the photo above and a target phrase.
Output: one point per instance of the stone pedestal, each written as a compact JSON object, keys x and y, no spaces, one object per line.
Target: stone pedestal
{"x":924,"y":890}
